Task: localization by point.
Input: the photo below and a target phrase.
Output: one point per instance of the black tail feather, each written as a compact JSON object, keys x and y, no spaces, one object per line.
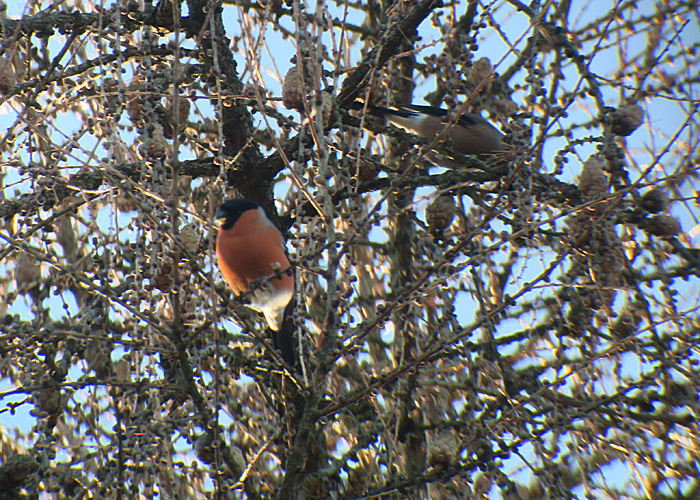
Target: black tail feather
{"x":283,"y":339}
{"x":373,"y":110}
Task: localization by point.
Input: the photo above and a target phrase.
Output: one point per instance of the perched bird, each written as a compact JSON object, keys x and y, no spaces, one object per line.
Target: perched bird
{"x":249,"y":248}
{"x":470,"y":134}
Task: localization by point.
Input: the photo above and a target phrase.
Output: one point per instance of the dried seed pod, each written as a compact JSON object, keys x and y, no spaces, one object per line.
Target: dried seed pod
{"x":175,"y":118}
{"x":663,"y":226}
{"x":67,"y":239}
{"x":481,"y":70}
{"x":122,"y":371}
{"x":443,"y":449}
{"x":482,"y":484}
{"x":8,"y":77}
{"x":190,"y":237}
{"x":205,"y":450}
{"x":97,"y":355}
{"x":136,"y":102}
{"x":367,"y":169}
{"x":163,"y":281}
{"x":655,"y":201}
{"x":157,"y":144}
{"x":326,"y":107}
{"x":293,"y":90}
{"x":72,"y":481}
{"x":124,"y":202}
{"x":249,"y":91}
{"x":163,"y":15}
{"x":505,"y":107}
{"x":16,"y":469}
{"x":627,"y":119}
{"x":358,"y":480}
{"x":440,"y":213}
{"x":238,"y":457}
{"x":48,"y":399}
{"x":275,"y":5}
{"x":592,"y":182}
{"x":27,"y":272}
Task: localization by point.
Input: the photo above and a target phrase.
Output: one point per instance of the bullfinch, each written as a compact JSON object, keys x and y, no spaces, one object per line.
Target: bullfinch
{"x":249,"y":248}
{"x":470,"y":134}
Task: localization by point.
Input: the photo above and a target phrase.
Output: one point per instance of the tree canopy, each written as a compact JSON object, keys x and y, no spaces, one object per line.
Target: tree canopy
{"x":516,"y":325}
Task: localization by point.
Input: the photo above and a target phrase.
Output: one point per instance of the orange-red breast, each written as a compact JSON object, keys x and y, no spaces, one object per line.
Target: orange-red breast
{"x":249,"y":247}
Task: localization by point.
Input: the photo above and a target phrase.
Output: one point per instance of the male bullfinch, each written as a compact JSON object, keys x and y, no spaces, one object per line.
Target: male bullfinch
{"x":470,"y":134}
{"x":249,"y":247}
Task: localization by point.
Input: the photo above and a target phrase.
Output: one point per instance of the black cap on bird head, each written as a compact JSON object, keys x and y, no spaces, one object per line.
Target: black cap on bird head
{"x":231,"y":210}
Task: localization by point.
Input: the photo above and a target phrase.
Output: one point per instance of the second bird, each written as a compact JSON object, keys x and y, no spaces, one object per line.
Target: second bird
{"x":470,"y":134}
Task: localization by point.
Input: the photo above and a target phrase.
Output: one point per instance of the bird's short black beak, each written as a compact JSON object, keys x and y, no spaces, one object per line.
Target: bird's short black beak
{"x":220,"y":217}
